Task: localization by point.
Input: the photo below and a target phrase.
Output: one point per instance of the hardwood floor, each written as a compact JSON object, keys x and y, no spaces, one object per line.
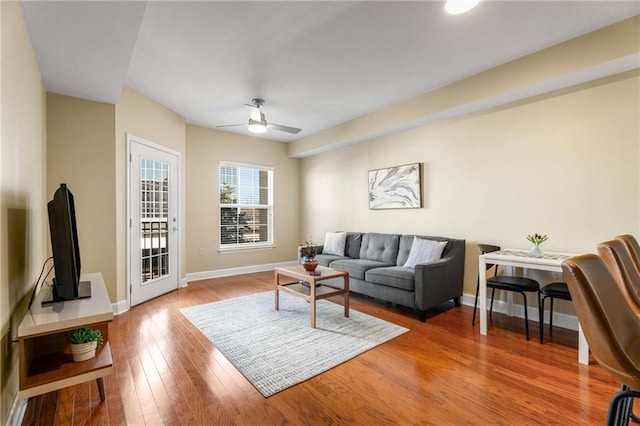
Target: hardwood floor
{"x":441,"y":372}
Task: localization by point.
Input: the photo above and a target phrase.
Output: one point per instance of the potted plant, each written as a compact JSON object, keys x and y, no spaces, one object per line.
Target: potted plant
{"x":308,"y":252}
{"x":84,"y":342}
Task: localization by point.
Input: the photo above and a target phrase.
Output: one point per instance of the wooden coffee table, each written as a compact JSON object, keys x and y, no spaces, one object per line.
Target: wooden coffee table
{"x":315,"y":291}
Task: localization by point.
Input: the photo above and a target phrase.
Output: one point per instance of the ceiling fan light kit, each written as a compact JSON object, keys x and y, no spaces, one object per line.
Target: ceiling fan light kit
{"x":256,"y":126}
{"x":456,"y":7}
{"x":258,"y":123}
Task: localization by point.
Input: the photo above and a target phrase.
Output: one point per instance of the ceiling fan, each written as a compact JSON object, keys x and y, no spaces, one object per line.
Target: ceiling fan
{"x":257,"y":122}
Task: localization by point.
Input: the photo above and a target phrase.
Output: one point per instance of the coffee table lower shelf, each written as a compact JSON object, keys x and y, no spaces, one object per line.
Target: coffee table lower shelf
{"x":303,"y":291}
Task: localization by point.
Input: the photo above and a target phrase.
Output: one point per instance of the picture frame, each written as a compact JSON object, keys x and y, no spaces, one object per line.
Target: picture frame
{"x":398,"y":187}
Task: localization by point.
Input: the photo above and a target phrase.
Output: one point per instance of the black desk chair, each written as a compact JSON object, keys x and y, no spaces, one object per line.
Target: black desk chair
{"x":507,"y":283}
{"x":552,"y":291}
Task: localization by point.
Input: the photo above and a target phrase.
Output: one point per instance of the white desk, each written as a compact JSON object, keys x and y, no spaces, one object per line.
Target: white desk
{"x":520,"y":259}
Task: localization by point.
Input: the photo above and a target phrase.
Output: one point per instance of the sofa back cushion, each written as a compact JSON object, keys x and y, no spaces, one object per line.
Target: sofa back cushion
{"x":380,"y":247}
{"x":406,"y":241}
{"x":354,"y":242}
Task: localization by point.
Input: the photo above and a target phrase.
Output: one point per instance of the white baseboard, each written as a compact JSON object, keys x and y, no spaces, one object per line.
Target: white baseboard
{"x":120,"y":307}
{"x":16,"y":415}
{"x":196,"y":276}
{"x":123,"y":306}
{"x":502,"y":307}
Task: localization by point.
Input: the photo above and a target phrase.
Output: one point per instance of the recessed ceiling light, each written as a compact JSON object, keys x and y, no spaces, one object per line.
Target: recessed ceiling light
{"x":456,"y":7}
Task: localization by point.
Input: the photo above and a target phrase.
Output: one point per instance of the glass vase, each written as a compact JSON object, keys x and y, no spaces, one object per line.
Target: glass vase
{"x":537,"y":251}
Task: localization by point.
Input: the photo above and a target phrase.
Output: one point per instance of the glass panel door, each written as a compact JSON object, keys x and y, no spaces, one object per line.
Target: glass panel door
{"x":153,"y":220}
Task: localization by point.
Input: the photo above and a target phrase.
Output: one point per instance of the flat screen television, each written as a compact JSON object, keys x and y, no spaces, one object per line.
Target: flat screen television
{"x":64,"y":245}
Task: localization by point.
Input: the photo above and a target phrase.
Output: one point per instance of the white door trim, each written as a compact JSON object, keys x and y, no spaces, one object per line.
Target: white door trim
{"x":130,"y":138}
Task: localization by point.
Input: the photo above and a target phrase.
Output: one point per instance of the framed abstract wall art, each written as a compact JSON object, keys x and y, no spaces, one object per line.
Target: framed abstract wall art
{"x":397,"y":187}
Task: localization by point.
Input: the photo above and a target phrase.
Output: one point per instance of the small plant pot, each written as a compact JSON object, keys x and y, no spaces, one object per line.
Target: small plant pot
{"x":310,"y":264}
{"x":83,"y":351}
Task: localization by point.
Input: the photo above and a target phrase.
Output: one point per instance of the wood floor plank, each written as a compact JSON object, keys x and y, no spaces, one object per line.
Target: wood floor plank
{"x":65,"y":409}
{"x":148,"y":405}
{"x":132,"y":411}
{"x":115,"y":407}
{"x":441,"y":372}
{"x":194,"y":404}
{"x":43,"y":411}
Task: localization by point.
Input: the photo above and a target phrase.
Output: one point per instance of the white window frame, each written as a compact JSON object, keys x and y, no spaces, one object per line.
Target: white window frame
{"x":270,"y":220}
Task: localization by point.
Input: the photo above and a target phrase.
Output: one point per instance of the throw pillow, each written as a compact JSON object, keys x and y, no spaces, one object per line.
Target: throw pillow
{"x":424,"y":251}
{"x":334,"y":243}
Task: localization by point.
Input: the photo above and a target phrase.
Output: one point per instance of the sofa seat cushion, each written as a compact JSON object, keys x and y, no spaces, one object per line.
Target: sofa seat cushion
{"x":394,"y":276}
{"x":356,"y":268}
{"x":326,"y":259}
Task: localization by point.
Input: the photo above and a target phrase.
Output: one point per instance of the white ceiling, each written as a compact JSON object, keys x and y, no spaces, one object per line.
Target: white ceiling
{"x":316,"y":63}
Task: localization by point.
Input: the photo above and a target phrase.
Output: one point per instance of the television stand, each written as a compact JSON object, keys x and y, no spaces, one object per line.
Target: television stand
{"x":44,"y":352}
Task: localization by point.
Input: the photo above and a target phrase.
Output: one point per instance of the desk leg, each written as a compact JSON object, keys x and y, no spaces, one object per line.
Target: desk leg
{"x":482,"y":294}
{"x":312,"y":282}
{"x":583,"y":347}
{"x":277,"y":281}
{"x":510,"y":271}
{"x":346,"y":296}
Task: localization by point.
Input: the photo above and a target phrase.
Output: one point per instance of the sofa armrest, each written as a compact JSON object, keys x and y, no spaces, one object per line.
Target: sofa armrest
{"x":439,"y":281}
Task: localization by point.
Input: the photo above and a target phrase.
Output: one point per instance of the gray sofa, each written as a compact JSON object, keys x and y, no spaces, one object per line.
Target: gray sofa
{"x":374,"y":263}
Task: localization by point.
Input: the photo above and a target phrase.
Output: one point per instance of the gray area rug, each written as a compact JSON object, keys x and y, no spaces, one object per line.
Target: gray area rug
{"x":278,"y":349}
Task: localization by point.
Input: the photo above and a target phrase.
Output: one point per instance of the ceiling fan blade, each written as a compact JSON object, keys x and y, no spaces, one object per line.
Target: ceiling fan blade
{"x":282,"y":128}
{"x":232,"y":125}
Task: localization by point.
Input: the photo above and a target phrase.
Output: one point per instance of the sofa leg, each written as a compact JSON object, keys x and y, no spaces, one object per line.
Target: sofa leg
{"x":456,"y":302}
{"x":422,"y":315}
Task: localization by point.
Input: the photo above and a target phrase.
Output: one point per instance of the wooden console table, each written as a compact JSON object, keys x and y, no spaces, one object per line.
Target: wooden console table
{"x":45,"y":360}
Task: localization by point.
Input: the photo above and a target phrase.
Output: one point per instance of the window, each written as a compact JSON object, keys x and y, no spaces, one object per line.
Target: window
{"x":154,"y":214}
{"x":246,"y":206}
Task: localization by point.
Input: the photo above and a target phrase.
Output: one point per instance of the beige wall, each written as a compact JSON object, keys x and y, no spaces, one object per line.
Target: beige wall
{"x":564,"y":165}
{"x":205,"y":149}
{"x":23,"y":223}
{"x":80,"y":153}
{"x":590,"y":54}
{"x":87,"y":150}
{"x":138,"y":115}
